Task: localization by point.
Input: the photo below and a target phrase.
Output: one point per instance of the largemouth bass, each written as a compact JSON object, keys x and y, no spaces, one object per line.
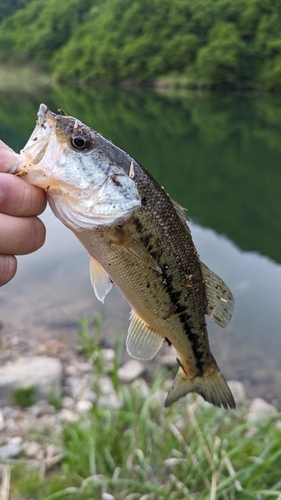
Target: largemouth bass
{"x":138,"y":239}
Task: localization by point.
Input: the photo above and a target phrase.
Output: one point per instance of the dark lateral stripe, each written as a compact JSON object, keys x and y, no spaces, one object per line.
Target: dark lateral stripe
{"x":193,"y":339}
{"x":138,"y":225}
{"x":184,"y":318}
{"x":175,"y":298}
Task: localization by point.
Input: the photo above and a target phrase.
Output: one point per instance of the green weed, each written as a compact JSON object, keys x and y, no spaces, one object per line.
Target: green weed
{"x":142,"y":451}
{"x":24,"y":396}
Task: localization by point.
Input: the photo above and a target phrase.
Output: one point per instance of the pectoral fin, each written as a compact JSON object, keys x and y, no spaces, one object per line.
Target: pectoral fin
{"x":142,"y":342}
{"x":101,"y":282}
{"x":135,"y":248}
{"x":220,"y":299}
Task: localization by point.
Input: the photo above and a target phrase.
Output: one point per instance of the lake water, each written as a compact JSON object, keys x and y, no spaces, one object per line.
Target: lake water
{"x":216,"y":154}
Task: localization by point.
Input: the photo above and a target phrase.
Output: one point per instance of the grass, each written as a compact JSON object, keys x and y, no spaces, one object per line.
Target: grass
{"x":24,"y":396}
{"x":142,"y":451}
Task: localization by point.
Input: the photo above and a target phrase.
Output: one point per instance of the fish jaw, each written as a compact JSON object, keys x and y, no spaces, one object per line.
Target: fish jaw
{"x":40,"y":152}
{"x":84,"y":188}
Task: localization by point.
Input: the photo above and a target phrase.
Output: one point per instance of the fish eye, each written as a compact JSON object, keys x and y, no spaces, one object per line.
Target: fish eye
{"x":80,"y":142}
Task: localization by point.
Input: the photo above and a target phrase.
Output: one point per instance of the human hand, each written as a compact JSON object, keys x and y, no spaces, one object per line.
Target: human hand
{"x":21,"y":232}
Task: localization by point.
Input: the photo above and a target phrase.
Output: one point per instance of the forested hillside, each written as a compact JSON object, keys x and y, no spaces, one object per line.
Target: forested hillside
{"x":8,"y":7}
{"x":208,"y":43}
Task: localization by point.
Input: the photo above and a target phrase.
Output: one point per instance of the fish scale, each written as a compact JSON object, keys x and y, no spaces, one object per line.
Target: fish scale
{"x":138,"y":239}
{"x":153,"y":304}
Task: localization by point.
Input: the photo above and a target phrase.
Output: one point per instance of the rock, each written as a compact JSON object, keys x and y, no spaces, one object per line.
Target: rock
{"x":71,"y":370}
{"x":67,"y":402}
{"x":12,"y":449}
{"x":40,"y":455}
{"x":85,"y":367}
{"x":131,"y":370}
{"x":51,"y":347}
{"x":75,"y":368}
{"x":79,"y":388}
{"x":106,"y":385}
{"x":260,"y":408}
{"x":5,"y":356}
{"x":41,"y":372}
{"x":31,"y":449}
{"x":83,"y":406}
{"x":10,"y":412}
{"x":238,"y":391}
{"x":2,"y":421}
{"x":107,"y":496}
{"x":108,"y":355}
{"x":52,"y":451}
{"x":68,"y":415}
{"x":42,"y":408}
{"x":10,"y":426}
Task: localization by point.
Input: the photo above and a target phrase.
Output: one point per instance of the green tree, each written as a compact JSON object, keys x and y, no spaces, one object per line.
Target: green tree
{"x":8,"y":7}
{"x":213,"y":43}
{"x":221,"y":61}
{"x":39,"y":29}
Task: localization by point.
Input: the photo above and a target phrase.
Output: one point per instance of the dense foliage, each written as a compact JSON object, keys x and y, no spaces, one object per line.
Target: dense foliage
{"x":213,"y":43}
{"x":8,"y":7}
{"x":40,"y":29}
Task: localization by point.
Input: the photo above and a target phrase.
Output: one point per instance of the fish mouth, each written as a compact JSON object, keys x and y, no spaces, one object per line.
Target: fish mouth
{"x":39,"y":140}
{"x":42,"y":112}
{"x":34,"y":163}
{"x":50,"y":129}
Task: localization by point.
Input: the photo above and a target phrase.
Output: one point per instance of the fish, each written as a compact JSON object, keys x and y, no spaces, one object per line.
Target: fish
{"x":138,"y":239}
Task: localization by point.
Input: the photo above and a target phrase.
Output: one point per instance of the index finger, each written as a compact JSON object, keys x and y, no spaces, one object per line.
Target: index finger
{"x":8,"y":157}
{"x":20,"y":199}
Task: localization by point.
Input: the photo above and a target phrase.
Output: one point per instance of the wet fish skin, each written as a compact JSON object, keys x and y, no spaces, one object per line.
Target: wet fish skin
{"x":145,"y":249}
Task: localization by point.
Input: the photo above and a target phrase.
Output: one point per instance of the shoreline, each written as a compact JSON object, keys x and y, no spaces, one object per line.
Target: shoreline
{"x":27,"y":76}
{"x":23,"y":78}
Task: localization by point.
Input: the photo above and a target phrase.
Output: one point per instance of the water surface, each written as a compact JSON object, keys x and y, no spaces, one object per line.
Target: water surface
{"x":216,"y":154}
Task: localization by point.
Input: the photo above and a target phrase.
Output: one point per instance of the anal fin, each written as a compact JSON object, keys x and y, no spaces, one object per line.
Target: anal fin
{"x":142,"y":342}
{"x":100,"y":280}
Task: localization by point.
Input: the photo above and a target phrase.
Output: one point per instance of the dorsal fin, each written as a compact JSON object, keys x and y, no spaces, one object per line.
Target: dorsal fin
{"x":142,"y":342}
{"x":100,"y":280}
{"x":181,"y":211}
{"x":220,"y":299}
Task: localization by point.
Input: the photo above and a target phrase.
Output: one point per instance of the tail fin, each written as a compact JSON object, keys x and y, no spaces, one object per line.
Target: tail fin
{"x":213,"y":388}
